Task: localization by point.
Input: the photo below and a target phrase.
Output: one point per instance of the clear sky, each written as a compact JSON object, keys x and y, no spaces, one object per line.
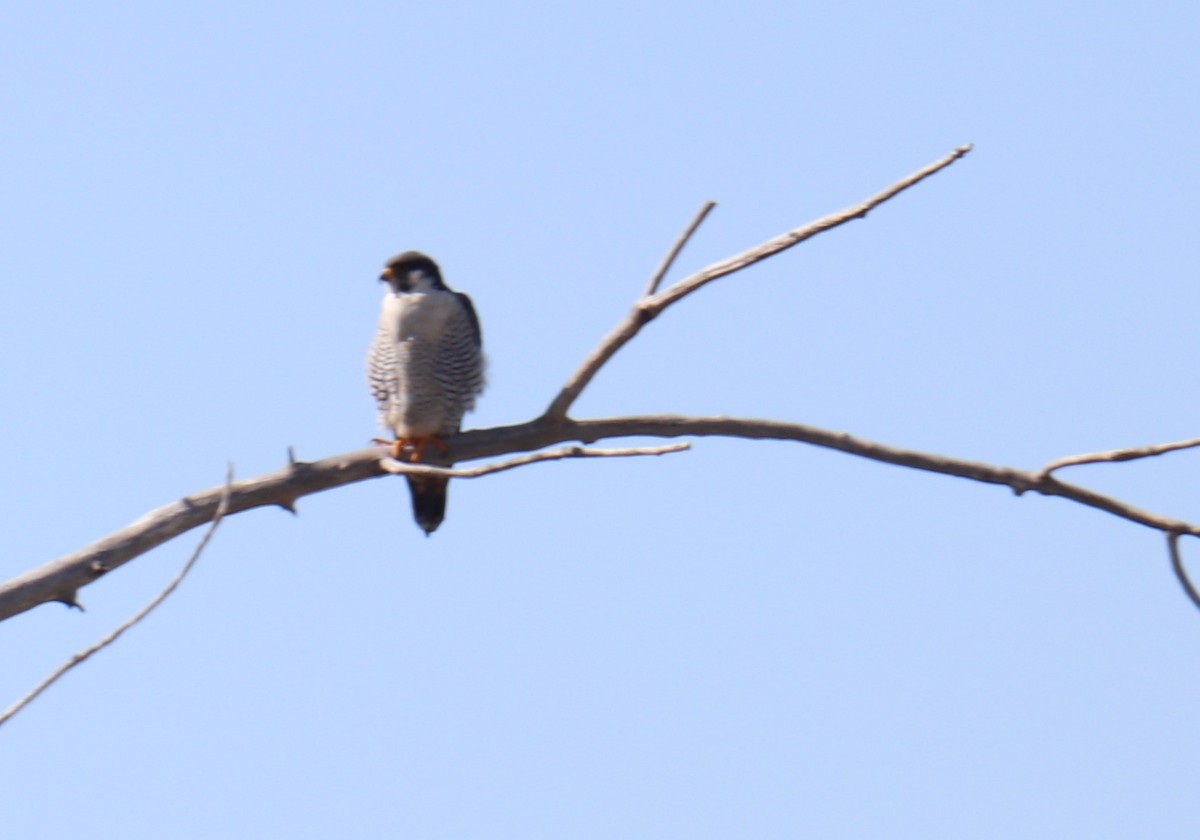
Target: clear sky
{"x":750,"y":639}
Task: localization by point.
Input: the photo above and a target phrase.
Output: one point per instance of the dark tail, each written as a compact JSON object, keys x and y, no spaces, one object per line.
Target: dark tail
{"x":428,"y":500}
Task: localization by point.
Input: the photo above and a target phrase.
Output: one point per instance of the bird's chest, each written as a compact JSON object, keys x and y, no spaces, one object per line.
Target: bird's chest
{"x":418,"y":320}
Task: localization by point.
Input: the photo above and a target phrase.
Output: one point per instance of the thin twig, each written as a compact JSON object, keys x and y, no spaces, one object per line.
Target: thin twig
{"x":647,"y":308}
{"x":669,"y":259}
{"x":1180,"y":571}
{"x":137,"y":617}
{"x":1114,"y":455}
{"x":401,"y":468}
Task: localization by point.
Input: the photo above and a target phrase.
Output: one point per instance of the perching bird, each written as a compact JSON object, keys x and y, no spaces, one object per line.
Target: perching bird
{"x":425,"y":368}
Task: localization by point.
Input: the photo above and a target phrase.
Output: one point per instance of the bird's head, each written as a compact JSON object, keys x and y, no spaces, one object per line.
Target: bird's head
{"x":412,"y":271}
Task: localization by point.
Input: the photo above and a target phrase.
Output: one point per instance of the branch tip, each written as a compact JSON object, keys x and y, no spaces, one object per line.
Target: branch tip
{"x":665,"y":266}
{"x":1180,"y":571}
{"x":1132,"y":453}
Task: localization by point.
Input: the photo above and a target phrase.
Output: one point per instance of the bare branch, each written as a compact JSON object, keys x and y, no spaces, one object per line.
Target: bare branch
{"x":400,"y":468}
{"x":647,"y":308}
{"x":1180,"y":571}
{"x":669,"y":259}
{"x":1020,"y":481}
{"x":794,"y":237}
{"x":137,"y":617}
{"x":59,"y":579}
{"x":1114,"y":455}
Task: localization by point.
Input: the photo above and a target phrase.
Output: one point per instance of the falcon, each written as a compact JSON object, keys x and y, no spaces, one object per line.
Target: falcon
{"x":425,"y":368}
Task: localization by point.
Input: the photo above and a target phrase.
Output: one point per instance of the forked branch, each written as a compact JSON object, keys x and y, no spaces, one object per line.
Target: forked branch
{"x":61,"y":579}
{"x":650,"y":305}
{"x":86,"y":653}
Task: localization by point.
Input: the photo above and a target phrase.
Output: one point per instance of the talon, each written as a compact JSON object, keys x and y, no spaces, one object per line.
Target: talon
{"x":410,"y":449}
{"x":395,"y":447}
{"x":418,"y":446}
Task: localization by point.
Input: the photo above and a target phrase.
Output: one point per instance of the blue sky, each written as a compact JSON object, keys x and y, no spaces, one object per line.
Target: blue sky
{"x":749,"y":639}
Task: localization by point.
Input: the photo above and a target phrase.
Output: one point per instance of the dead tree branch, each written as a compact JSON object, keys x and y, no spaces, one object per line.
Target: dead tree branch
{"x":137,"y":617}
{"x":61,"y":579}
{"x":648,"y":307}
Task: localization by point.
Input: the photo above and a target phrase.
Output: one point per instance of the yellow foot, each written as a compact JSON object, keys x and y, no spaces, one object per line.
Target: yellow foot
{"x":412,"y":447}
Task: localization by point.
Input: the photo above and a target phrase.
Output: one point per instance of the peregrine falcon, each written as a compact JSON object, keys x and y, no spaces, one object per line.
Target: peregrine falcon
{"x":425,"y":368}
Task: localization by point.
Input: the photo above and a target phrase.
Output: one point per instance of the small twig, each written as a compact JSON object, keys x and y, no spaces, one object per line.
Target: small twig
{"x":1180,"y":571}
{"x":400,"y":468}
{"x":1114,"y":455}
{"x":137,"y":617}
{"x":669,"y":259}
{"x":647,"y":308}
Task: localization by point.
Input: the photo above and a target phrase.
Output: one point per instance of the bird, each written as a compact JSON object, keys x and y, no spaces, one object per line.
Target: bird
{"x":425,"y":369}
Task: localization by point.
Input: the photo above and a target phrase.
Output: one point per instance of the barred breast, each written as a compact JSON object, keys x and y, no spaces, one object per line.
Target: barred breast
{"x":425,"y":365}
